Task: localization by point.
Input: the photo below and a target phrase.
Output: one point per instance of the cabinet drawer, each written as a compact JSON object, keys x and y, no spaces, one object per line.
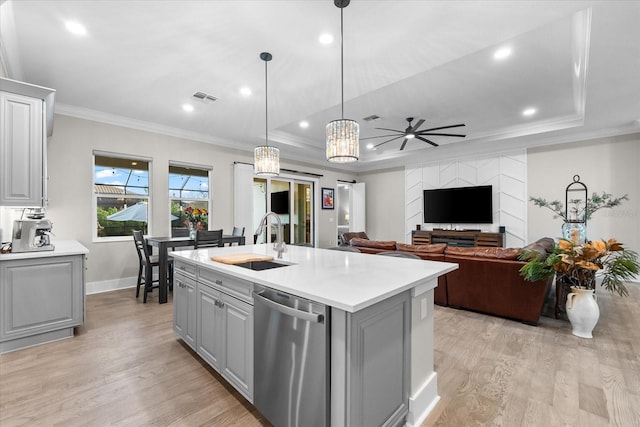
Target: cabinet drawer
{"x":181,"y":277}
{"x":188,"y":270}
{"x":238,"y":288}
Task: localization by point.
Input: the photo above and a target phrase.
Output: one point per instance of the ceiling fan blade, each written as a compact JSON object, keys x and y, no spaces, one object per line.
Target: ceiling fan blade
{"x":442,"y":134}
{"x":379,"y":136}
{"x":392,"y":130}
{"x":403,"y":144}
{"x":420,"y":122}
{"x":426,"y":140}
{"x":441,"y":127}
{"x":389,"y":140}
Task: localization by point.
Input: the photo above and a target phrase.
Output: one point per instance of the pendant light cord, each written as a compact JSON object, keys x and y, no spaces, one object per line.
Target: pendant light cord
{"x":266,"y":107}
{"x":342,"y":59}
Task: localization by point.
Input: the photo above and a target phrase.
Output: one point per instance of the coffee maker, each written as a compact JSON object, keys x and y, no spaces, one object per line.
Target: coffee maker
{"x":31,"y":235}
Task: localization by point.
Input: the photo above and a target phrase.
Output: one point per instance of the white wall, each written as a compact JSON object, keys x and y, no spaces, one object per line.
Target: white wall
{"x":605,"y":164}
{"x":70,"y":162}
{"x":385,"y":204}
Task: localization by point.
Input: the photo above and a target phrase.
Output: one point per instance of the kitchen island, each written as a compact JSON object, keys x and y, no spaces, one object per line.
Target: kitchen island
{"x":379,"y":367}
{"x":42,"y":295}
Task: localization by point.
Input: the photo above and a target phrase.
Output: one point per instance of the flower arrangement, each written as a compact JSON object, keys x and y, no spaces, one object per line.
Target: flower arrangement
{"x":579,"y":209}
{"x":196,"y":216}
{"x":577,"y":264}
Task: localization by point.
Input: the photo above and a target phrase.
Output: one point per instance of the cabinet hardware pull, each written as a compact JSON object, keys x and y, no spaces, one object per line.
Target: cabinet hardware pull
{"x":218,"y":282}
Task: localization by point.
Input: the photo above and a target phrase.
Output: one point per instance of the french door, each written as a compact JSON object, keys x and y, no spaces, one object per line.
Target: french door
{"x":292,"y":200}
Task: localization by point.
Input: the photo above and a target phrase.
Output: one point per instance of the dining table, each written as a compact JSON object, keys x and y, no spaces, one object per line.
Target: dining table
{"x":164,"y":243}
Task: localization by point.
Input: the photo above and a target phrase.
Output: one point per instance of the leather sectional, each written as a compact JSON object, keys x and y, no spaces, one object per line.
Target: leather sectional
{"x":488,"y":279}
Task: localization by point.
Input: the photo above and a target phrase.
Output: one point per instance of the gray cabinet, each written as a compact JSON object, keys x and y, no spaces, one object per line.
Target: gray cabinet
{"x":25,"y":112}
{"x":184,"y":303}
{"x":42,"y":299}
{"x":372,"y":349}
{"x":209,"y":325}
{"x":220,"y":308}
{"x":237,"y":344}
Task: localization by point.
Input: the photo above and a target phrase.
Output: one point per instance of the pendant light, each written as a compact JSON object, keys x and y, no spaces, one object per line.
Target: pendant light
{"x":266,"y":160}
{"x":343,"y":135}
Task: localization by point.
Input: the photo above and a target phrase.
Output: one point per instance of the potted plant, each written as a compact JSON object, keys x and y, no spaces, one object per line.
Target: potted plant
{"x":578,"y":211}
{"x":576,"y":265}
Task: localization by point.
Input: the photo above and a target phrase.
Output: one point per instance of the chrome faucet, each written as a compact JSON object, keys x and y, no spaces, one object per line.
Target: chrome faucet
{"x":279,"y":245}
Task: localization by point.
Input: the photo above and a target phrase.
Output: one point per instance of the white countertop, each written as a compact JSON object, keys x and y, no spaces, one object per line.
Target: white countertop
{"x":61,"y":248}
{"x":349,"y":281}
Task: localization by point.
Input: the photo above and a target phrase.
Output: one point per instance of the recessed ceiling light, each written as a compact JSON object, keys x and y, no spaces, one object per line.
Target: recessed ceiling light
{"x":245,"y":91}
{"x":187,"y":107}
{"x":75,"y":28}
{"x":502,"y":53}
{"x":529,"y":112}
{"x":370,"y":146}
{"x":325,"y":39}
{"x":304,"y":124}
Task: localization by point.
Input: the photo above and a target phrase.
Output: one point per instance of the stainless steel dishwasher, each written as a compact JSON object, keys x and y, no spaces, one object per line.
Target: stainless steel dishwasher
{"x":291,"y":359}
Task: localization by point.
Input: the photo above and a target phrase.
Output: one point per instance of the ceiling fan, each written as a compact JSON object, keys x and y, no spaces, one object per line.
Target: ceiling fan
{"x":412,"y":132}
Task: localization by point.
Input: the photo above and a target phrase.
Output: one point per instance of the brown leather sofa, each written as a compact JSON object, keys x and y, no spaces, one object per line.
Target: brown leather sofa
{"x":487,"y":279}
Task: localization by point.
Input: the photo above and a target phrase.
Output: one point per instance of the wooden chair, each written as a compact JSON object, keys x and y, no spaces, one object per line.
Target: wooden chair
{"x":179,"y":232}
{"x":344,"y":248}
{"x":147,"y":263}
{"x":399,"y":254}
{"x":207,"y":239}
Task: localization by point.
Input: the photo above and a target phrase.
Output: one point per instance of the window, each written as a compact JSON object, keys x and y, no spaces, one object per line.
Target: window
{"x":121,"y":194}
{"x":189,"y":196}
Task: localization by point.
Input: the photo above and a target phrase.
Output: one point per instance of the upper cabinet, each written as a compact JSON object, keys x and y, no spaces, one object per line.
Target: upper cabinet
{"x":26,"y":119}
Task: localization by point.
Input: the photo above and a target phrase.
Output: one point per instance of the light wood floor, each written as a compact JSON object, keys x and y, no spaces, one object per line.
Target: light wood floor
{"x":125,"y":367}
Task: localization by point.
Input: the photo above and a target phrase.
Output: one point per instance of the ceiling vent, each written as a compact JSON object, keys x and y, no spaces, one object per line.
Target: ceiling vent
{"x":204,"y":97}
{"x":371,"y":118}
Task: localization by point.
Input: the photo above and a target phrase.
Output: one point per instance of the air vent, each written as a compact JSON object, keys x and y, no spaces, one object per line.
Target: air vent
{"x":371,"y":118}
{"x":204,"y":97}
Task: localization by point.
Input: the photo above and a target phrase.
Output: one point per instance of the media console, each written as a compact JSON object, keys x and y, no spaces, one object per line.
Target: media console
{"x":457,"y":238}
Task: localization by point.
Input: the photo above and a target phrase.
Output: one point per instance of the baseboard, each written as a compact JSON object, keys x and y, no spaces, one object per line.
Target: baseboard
{"x":110,"y":285}
{"x":423,"y":401}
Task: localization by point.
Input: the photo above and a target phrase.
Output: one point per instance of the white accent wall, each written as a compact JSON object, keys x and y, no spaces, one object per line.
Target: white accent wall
{"x":506,"y":172}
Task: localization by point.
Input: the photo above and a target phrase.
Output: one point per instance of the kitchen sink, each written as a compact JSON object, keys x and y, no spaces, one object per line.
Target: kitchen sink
{"x":261,"y":265}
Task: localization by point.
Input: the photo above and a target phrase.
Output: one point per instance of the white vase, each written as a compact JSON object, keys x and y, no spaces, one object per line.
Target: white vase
{"x":583,"y":311}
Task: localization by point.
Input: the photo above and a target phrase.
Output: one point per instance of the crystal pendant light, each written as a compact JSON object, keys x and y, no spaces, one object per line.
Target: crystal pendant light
{"x":266,"y":160}
{"x":343,"y":135}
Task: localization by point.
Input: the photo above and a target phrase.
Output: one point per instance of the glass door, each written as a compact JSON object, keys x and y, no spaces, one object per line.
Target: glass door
{"x":292,"y":200}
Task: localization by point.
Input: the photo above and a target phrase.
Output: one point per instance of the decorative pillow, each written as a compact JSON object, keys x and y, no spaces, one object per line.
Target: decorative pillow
{"x":388,"y":245}
{"x":435,"y":248}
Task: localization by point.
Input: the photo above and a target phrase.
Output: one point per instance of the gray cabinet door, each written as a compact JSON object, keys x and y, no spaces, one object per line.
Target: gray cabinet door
{"x":41,"y":295}
{"x":209,"y":325}
{"x":22,"y":141}
{"x":238,"y":344}
{"x":184,"y":309}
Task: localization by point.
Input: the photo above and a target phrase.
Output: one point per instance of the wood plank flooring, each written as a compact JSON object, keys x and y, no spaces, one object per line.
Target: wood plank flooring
{"x":126,"y":367}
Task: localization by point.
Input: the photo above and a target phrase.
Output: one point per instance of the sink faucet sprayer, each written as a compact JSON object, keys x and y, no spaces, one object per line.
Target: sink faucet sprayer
{"x":279,"y":245}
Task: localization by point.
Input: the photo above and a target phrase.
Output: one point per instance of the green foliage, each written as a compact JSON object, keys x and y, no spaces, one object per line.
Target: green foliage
{"x":622,"y":267}
{"x":578,"y":209}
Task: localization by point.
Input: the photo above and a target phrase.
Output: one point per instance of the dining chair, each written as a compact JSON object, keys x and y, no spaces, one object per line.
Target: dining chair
{"x":344,"y":249}
{"x":237,"y":231}
{"x":179,"y":232}
{"x":208,"y":238}
{"x":399,"y":254}
{"x":147,"y":262}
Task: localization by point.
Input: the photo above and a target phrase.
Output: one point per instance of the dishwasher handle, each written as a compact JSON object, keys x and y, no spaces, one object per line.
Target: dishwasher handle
{"x":311,"y":317}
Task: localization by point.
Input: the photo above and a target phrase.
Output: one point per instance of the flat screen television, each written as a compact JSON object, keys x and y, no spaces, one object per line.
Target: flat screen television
{"x":459,"y":205}
{"x":280,"y":202}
